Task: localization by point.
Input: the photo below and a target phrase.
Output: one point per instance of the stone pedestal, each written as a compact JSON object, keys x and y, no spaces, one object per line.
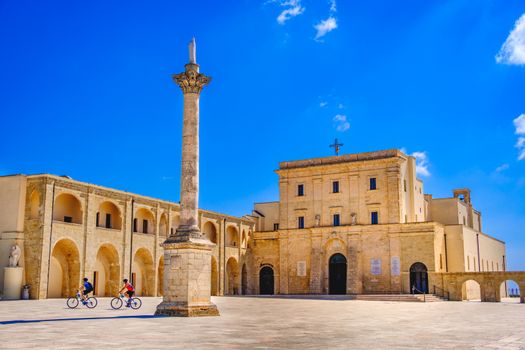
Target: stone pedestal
{"x":187,"y":279}
{"x":13,"y":279}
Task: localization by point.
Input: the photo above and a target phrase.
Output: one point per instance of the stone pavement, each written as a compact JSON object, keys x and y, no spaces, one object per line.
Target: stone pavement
{"x":262,"y":322}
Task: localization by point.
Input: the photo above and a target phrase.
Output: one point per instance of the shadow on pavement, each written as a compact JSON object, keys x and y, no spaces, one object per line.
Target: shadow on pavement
{"x":78,"y":319}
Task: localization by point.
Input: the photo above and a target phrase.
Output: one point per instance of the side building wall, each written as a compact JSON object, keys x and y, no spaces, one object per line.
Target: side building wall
{"x":72,"y":229}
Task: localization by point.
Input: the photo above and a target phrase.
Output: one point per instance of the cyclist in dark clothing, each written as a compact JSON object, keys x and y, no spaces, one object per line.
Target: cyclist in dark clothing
{"x":86,"y":288}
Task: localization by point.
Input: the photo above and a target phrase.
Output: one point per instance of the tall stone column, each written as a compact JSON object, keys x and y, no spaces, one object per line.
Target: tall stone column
{"x":187,"y":253}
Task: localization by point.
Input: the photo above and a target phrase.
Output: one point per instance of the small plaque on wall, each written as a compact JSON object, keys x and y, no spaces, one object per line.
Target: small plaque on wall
{"x":395,"y":266}
{"x":375,"y":266}
{"x":301,"y":268}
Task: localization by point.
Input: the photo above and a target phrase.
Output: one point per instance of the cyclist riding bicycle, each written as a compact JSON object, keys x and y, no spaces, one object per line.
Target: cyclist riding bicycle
{"x":128,"y":287}
{"x":86,"y":288}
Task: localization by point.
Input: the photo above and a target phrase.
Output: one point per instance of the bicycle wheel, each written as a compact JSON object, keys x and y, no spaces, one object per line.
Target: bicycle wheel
{"x":136,"y":303}
{"x":92,"y":302}
{"x":72,"y":302}
{"x":116,"y":303}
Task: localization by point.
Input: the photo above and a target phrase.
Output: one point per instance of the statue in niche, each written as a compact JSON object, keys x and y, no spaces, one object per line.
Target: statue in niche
{"x":354,"y":219}
{"x":14,"y":256}
{"x":317,"y":220}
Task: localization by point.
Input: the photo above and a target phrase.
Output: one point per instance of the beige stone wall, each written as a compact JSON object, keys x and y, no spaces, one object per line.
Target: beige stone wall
{"x":286,"y":250}
{"x":65,"y":252}
{"x":12,"y":204}
{"x":269,"y":217}
{"x":319,"y":203}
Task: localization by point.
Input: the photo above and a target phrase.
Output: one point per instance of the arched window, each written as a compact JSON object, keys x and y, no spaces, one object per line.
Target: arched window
{"x":144,"y":221}
{"x":108,"y":216}
{"x":210,"y":231}
{"x":67,"y":209}
{"x":232,"y":236}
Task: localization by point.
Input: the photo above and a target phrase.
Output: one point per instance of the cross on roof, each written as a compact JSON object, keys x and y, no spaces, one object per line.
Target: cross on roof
{"x":336,"y":146}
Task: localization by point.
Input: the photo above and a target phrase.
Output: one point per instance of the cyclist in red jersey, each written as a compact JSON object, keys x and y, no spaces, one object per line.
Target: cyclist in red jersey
{"x":128,"y":287}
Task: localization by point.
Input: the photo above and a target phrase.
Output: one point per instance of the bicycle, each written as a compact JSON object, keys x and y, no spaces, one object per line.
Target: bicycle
{"x":73,"y":302}
{"x":117,"y":302}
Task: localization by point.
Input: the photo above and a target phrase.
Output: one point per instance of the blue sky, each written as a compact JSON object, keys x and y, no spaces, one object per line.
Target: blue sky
{"x":86,"y":90}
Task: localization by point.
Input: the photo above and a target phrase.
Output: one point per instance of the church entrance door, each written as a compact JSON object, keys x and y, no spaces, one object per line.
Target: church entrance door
{"x":337,"y":274}
{"x":419,"y":278}
{"x":266,"y":281}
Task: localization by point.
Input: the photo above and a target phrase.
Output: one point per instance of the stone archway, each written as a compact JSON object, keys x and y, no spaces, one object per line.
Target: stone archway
{"x":210,"y":231}
{"x":337,"y":274}
{"x":106,"y":274}
{"x":419,"y":278}
{"x":232,"y":277}
{"x":64,"y":270}
{"x":160,"y":277}
{"x":266,"y":281}
{"x":244,"y":280}
{"x":214,"y":277}
{"x":471,"y":290}
{"x":509,"y":291}
{"x":143,"y":273}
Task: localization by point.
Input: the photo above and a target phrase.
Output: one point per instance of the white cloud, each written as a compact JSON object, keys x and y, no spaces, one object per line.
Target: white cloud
{"x":333,"y":7}
{"x":519,"y":124}
{"x":341,"y":123}
{"x":340,"y":106}
{"x":422,"y":163}
{"x":323,"y":104}
{"x":502,"y":167}
{"x":293,"y":8}
{"x":520,"y":145}
{"x":513,"y":50}
{"x":324,"y":27}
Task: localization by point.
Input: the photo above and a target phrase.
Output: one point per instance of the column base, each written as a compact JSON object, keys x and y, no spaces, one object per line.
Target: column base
{"x":180,"y":310}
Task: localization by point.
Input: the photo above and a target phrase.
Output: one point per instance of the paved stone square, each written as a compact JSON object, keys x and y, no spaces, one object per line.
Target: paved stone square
{"x":262,"y":322}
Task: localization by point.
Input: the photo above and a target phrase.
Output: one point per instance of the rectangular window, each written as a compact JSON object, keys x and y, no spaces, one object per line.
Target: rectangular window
{"x":135,"y":225}
{"x":68,"y":219}
{"x":405,"y":185}
{"x":335,"y":187}
{"x":468,"y":263}
{"x":275,"y":227}
{"x":373,"y":183}
{"x":144,"y":226}
{"x":337,"y":220}
{"x":98,"y":220}
{"x":108,"y":220}
{"x":171,"y":231}
{"x":300,"y":190}
{"x":300,"y":222}
{"x":441,"y":261}
{"x":374,"y":218}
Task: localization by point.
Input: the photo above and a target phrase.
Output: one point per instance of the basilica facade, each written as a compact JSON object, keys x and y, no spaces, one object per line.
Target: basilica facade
{"x":361,"y":224}
{"x":350,"y":224}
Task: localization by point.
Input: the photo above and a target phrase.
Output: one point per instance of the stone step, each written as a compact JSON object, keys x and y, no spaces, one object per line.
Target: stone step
{"x":399,"y":297}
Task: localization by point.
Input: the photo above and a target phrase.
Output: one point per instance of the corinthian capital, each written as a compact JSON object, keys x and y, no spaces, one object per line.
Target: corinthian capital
{"x":191,"y":81}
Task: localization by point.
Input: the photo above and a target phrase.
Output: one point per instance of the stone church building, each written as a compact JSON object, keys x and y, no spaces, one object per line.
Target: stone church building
{"x":349,"y":224}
